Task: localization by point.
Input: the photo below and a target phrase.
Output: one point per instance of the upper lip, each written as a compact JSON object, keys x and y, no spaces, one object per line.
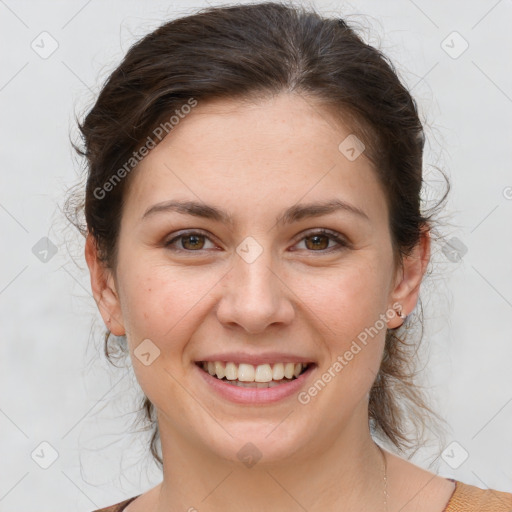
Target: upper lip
{"x":256,"y":359}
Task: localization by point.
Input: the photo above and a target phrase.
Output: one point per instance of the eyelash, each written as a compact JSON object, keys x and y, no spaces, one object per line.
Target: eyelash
{"x":332,"y":235}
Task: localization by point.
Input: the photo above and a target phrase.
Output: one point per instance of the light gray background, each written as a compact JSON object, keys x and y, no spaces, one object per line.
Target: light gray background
{"x":55,"y":385}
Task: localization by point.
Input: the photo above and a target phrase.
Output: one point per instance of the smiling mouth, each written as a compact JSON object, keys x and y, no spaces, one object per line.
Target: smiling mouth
{"x":251,"y":376}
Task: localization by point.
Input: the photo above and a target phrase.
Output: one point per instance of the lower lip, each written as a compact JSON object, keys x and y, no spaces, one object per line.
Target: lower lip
{"x":241,"y":395}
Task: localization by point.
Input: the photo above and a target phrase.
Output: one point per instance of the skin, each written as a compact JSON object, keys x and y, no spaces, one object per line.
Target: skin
{"x":254,"y":160}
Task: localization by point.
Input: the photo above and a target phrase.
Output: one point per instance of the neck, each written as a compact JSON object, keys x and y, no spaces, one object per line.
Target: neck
{"x":343,"y":471}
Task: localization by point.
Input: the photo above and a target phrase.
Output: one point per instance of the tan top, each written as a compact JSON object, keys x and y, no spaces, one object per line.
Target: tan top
{"x":465,"y":498}
{"x":469,"y":498}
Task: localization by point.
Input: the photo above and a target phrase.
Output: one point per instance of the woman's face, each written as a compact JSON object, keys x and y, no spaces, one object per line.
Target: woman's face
{"x":257,"y":289}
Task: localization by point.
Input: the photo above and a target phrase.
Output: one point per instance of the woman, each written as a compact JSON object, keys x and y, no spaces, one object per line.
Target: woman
{"x":254,"y":230}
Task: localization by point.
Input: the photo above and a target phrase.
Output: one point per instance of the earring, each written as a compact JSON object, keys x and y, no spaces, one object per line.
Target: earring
{"x":401,"y":315}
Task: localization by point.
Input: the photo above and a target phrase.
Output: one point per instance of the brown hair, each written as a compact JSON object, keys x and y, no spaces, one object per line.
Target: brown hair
{"x":254,"y":51}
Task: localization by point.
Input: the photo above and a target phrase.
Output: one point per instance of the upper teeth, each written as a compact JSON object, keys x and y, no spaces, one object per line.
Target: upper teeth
{"x":250,"y":373}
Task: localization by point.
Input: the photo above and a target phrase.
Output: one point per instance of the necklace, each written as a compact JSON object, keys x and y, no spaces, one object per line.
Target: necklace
{"x":385,"y":478}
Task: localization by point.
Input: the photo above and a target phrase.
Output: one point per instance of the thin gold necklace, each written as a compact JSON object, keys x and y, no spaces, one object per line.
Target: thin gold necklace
{"x":385,"y":478}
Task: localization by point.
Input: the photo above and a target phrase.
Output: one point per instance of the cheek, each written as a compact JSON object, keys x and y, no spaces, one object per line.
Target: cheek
{"x":344,"y":301}
{"x":347,"y":308}
{"x":164,"y":304}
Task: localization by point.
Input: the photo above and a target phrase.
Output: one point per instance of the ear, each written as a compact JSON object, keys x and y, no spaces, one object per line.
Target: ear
{"x":103,"y":289}
{"x":404,"y":295}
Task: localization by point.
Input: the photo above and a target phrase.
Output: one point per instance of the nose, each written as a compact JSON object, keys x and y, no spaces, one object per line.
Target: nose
{"x":255,"y":296}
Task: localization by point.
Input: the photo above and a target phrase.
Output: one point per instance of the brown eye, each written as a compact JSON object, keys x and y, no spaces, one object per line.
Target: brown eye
{"x":317,"y":242}
{"x":190,"y":242}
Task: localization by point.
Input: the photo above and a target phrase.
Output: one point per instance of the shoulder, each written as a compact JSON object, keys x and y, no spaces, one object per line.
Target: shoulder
{"x":470,"y":498}
{"x":118,"y":507}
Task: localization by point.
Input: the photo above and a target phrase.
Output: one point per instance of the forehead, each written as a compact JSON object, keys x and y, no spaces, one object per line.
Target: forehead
{"x":245,"y":155}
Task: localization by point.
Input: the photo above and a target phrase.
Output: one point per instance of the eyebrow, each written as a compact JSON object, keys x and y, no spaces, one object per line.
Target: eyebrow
{"x":290,"y":215}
